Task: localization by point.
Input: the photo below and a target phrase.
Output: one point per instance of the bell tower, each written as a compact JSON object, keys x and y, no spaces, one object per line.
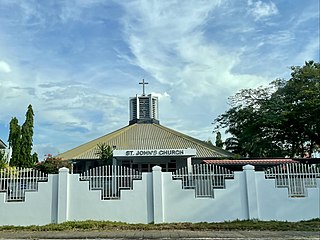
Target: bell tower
{"x":144,"y":108}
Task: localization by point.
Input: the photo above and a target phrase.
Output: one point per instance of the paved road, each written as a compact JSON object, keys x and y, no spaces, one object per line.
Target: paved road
{"x":181,"y":234}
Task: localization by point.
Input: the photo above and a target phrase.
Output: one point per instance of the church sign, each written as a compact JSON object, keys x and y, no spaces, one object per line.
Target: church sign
{"x":154,"y":152}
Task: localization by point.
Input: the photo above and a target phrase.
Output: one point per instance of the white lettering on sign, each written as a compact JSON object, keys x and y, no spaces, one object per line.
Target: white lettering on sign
{"x":154,"y":152}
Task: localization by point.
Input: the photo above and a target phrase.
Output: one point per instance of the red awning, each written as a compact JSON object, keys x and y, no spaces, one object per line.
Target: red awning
{"x":250,"y":161}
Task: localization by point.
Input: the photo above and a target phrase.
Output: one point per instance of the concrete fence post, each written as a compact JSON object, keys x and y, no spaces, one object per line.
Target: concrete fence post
{"x":157,"y":195}
{"x":189,"y":165}
{"x":63,"y":195}
{"x":251,"y":191}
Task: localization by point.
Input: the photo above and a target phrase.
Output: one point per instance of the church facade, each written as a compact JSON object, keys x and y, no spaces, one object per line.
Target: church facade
{"x":145,"y":143}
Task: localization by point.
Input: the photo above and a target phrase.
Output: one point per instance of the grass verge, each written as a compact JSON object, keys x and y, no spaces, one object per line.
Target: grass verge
{"x":310,"y":225}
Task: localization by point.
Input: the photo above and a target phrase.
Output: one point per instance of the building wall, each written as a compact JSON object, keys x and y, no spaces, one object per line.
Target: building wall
{"x":158,"y":198}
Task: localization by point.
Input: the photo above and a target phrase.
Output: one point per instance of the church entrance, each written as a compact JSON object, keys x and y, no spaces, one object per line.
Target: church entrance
{"x":170,"y":166}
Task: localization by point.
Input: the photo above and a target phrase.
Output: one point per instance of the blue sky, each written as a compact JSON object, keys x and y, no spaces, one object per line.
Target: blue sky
{"x":78,"y":61}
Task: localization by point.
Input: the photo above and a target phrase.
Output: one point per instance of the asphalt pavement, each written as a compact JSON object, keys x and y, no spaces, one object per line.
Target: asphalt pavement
{"x":172,"y":234}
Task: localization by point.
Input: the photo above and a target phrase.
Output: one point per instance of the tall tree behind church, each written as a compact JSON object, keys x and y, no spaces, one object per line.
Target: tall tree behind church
{"x":14,"y":141}
{"x":21,"y":141}
{"x":276,"y":121}
{"x":219,"y":142}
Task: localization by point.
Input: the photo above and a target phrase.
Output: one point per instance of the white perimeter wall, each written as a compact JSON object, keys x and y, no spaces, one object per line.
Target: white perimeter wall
{"x":135,"y":205}
{"x":274,"y":203}
{"x":180,"y":205}
{"x":39,"y":208}
{"x":157,"y":198}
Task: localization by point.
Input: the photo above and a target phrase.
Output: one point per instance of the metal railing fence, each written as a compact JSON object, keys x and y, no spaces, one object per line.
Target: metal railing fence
{"x":16,"y":181}
{"x":204,"y":178}
{"x":111,"y":180}
{"x":296,"y":177}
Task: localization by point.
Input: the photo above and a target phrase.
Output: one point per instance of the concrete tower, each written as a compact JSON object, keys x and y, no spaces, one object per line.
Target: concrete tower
{"x":144,"y":108}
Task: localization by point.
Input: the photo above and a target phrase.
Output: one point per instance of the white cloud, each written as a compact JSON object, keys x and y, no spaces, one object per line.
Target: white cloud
{"x":44,"y":149}
{"x":169,"y":42}
{"x":4,"y":67}
{"x":261,"y":10}
{"x":172,"y":48}
{"x":194,"y":55}
{"x":309,"y":52}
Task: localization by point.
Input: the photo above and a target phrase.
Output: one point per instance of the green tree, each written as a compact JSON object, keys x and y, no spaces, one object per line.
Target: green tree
{"x":233,"y":145}
{"x":35,"y":158}
{"x":21,"y":141}
{"x":3,"y":160}
{"x":244,"y":122}
{"x":105,"y":153}
{"x":278,"y":120}
{"x":219,"y":142}
{"x":15,"y":141}
{"x":27,"y":139}
{"x":300,"y":96}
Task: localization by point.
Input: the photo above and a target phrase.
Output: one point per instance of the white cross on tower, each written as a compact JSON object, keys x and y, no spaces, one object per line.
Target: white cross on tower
{"x":143,"y":83}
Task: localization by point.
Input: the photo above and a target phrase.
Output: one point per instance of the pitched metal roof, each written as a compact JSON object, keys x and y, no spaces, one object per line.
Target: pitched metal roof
{"x":145,"y":136}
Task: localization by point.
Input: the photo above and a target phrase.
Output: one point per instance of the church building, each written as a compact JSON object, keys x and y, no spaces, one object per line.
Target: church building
{"x":144,"y":143}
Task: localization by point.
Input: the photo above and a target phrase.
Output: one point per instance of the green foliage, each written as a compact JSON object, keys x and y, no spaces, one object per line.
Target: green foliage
{"x":8,"y":171}
{"x":51,"y":165}
{"x":15,"y":141}
{"x":247,"y":225}
{"x":20,"y":140}
{"x":276,"y":121}
{"x":3,"y":160}
{"x":219,"y":142}
{"x":35,"y":158}
{"x":26,"y":139}
{"x":105,"y":153}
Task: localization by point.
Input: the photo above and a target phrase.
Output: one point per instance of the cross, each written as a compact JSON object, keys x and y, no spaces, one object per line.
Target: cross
{"x":143,"y":83}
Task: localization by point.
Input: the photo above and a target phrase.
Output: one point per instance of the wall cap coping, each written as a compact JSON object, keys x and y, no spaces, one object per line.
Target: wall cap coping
{"x":248,"y":167}
{"x":156,"y":169}
{"x":63,"y":169}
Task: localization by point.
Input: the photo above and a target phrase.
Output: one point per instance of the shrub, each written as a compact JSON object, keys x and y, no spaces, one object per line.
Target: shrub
{"x":51,"y":165}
